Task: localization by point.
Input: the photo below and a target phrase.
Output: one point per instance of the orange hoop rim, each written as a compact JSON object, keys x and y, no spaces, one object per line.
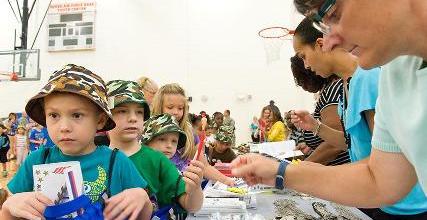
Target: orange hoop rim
{"x":285,"y":30}
{"x":13,"y":76}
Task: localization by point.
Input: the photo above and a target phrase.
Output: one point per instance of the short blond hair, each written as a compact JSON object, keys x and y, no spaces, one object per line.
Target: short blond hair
{"x":147,"y":84}
{"x":157,"y":108}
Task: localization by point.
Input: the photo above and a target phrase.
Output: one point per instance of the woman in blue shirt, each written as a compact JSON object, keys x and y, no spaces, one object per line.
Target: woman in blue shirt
{"x":356,"y":109}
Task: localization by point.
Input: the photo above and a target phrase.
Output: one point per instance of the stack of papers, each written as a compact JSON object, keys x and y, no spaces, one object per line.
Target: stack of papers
{"x":280,"y":150}
{"x":222,"y":205}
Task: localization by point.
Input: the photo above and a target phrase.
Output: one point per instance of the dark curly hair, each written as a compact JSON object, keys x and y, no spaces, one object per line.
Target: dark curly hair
{"x":305,"y":6}
{"x":306,"y":78}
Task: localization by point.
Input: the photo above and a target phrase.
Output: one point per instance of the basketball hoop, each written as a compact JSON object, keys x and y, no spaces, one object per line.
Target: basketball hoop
{"x":5,"y":76}
{"x":273,"y":38}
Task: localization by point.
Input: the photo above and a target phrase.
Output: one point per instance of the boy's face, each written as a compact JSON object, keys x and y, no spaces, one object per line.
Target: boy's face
{"x":221,"y":146}
{"x":165,"y":143}
{"x":174,"y":104}
{"x":129,"y":119}
{"x":72,"y":121}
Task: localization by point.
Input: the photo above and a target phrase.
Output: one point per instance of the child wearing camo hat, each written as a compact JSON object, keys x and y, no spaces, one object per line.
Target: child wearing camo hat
{"x":222,"y":152}
{"x":129,"y":111}
{"x":73,"y":107}
{"x":162,"y":133}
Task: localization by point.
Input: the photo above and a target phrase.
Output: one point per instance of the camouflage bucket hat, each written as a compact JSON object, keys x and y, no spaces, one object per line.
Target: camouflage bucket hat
{"x":225,"y":134}
{"x":122,"y":91}
{"x":73,"y":79}
{"x":162,"y":124}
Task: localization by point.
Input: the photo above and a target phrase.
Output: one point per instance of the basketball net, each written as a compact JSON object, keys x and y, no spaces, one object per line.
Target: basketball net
{"x":273,"y":38}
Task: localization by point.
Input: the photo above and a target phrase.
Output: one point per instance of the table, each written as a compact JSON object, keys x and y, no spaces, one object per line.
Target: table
{"x":266,"y":208}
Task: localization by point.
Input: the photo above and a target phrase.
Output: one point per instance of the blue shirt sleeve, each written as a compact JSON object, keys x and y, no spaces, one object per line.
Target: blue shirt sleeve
{"x":23,"y":179}
{"x":125,"y":175}
{"x":363,"y":94}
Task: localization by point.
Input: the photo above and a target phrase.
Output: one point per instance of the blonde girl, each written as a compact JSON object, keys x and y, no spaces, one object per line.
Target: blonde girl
{"x":171,"y":99}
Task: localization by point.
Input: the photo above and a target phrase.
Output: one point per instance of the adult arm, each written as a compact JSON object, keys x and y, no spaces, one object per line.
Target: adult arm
{"x":383,"y":180}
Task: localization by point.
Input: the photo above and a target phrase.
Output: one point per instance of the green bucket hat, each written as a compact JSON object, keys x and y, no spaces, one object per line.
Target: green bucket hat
{"x":225,"y":134}
{"x":122,"y":91}
{"x":73,"y":79}
{"x":162,"y":124}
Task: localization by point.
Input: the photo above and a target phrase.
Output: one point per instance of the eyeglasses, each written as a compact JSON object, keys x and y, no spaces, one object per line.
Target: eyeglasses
{"x":318,"y":17}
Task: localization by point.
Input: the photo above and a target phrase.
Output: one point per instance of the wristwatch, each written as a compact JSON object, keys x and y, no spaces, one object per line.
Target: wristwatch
{"x":280,"y":176}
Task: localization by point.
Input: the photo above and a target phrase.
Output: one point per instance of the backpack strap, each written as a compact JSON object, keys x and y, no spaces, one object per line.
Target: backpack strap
{"x":45,"y":154}
{"x":110,"y":170}
{"x":178,"y":211}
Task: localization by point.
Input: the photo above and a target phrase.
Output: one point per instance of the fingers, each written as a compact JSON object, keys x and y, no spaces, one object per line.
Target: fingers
{"x":43,"y":199}
{"x":29,"y":213}
{"x":37,"y":206}
{"x":243,"y":170}
{"x":114,"y":206}
{"x":243,"y":160}
{"x":230,"y":182}
{"x":128,"y":211}
{"x":194,"y":177}
{"x":189,"y":183}
{"x":199,"y":164}
{"x":135,"y":214}
{"x":26,"y":211}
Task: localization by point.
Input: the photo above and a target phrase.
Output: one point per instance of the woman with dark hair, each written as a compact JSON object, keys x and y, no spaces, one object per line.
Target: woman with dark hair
{"x":278,"y":131}
{"x":376,"y":32}
{"x":264,"y":122}
{"x":357,"y":109}
{"x":307,"y":79}
{"x":329,"y":90}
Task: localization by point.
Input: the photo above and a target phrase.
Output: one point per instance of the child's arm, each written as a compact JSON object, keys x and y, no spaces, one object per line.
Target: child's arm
{"x":213,"y":174}
{"x":130,"y":204}
{"x":26,"y":205}
{"x":192,"y":199}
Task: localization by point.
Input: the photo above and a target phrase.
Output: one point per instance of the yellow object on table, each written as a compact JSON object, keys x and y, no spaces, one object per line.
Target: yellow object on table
{"x":295,"y":162}
{"x":237,"y":190}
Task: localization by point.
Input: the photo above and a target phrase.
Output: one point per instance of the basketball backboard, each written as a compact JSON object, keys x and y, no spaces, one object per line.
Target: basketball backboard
{"x":20,"y":65}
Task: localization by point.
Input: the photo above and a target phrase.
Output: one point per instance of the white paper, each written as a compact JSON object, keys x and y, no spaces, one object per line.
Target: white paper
{"x":53,"y":181}
{"x":274,"y":149}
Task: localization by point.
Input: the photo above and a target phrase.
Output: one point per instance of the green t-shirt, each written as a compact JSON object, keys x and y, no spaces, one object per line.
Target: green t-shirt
{"x":160,"y":173}
{"x":94,"y":169}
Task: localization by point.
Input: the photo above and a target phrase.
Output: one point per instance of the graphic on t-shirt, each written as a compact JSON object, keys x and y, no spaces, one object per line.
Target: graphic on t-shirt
{"x":94,"y":189}
{"x":4,"y":142}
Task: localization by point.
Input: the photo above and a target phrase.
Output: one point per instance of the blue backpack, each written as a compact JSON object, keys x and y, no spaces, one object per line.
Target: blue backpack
{"x":171,"y":212}
{"x":91,"y":211}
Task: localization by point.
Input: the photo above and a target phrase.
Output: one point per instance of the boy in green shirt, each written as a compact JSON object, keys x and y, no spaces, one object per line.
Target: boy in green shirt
{"x":73,"y":107}
{"x":221,"y":151}
{"x":164,"y":181}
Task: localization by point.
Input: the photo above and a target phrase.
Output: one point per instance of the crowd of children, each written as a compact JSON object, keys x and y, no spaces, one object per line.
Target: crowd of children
{"x":158,"y":165}
{"x":157,"y":140}
{"x":20,"y":136}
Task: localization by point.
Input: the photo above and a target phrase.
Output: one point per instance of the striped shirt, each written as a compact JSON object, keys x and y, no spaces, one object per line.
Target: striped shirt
{"x":21,"y":140}
{"x":329,"y":95}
